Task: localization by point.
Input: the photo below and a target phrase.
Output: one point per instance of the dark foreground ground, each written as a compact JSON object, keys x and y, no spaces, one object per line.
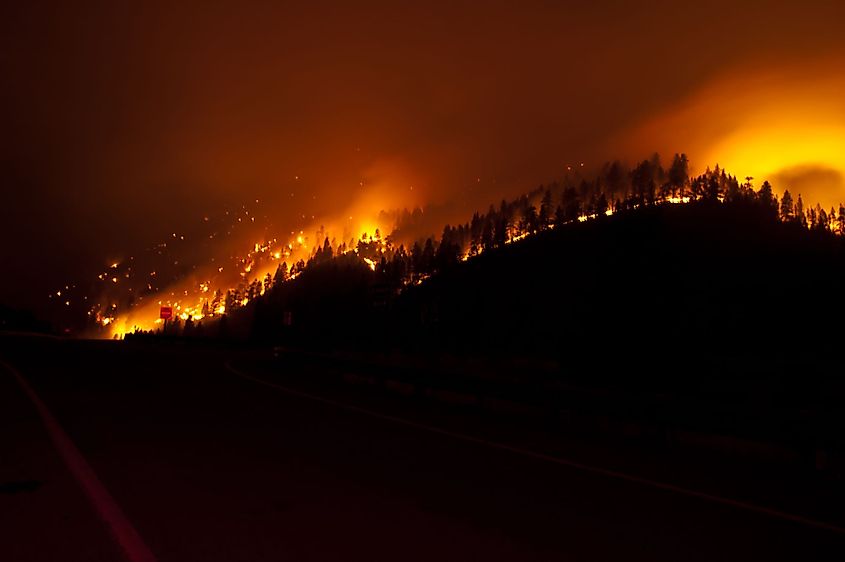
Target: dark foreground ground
{"x":208,"y":465}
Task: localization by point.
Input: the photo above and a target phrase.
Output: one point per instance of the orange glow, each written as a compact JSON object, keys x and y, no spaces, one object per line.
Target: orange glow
{"x":260,"y":259}
{"x":786,"y":126}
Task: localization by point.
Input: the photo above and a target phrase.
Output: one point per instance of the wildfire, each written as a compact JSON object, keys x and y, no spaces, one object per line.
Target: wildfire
{"x":219,"y":288}
{"x":230,"y":282}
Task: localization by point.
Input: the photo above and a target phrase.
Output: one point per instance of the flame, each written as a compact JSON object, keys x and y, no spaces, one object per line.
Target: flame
{"x":258,"y":261}
{"x":194,"y":296}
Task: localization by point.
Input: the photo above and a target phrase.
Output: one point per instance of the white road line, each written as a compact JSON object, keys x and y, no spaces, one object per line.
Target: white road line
{"x":123,"y":531}
{"x":552,"y":459}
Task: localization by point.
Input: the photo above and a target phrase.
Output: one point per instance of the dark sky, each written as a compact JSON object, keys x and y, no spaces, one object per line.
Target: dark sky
{"x":122,"y":120}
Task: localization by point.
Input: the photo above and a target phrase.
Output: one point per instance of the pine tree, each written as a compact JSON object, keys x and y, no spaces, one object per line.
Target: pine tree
{"x":216,"y":301}
{"x":800,"y":216}
{"x":787,"y":212}
{"x":281,"y":274}
{"x":766,"y":197}
{"x":327,"y":247}
{"x":231,"y":301}
{"x":840,"y":220}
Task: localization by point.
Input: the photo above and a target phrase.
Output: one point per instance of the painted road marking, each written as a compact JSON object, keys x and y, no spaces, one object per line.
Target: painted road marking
{"x":777,"y":514}
{"x":124,"y":533}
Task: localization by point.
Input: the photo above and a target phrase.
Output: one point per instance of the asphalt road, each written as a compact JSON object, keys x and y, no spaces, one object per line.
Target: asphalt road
{"x":204,"y":465}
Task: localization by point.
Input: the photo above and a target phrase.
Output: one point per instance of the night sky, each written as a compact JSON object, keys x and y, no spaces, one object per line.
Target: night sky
{"x":122,"y":121}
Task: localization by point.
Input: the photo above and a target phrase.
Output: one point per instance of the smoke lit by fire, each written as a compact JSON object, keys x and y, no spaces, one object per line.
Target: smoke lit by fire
{"x":785,"y":124}
{"x":237,"y":253}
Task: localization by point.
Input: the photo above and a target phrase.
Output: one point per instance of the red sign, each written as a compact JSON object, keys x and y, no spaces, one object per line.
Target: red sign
{"x":166,"y":312}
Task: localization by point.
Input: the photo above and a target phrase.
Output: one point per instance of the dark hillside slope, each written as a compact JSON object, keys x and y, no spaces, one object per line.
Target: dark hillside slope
{"x":711,"y":318}
{"x":661,"y":288}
